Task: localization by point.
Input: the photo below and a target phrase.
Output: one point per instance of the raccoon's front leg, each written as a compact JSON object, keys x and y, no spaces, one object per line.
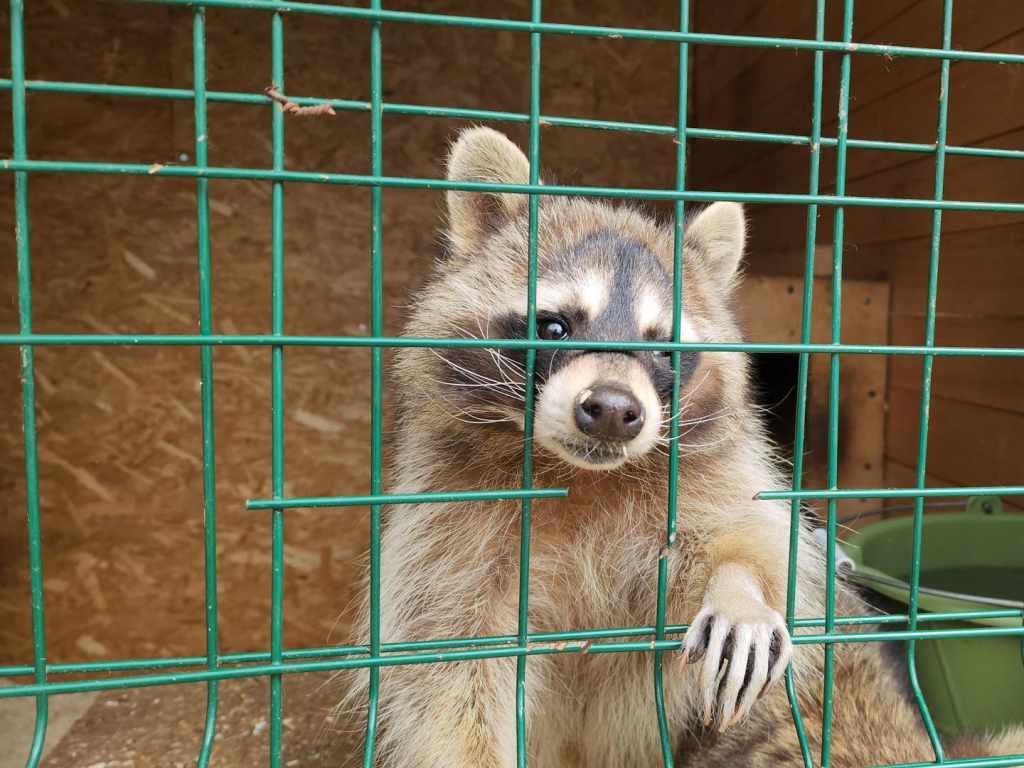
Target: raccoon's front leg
{"x":738,"y":634}
{"x":743,"y":642}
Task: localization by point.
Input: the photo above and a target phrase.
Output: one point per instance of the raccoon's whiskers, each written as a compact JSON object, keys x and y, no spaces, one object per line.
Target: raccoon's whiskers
{"x":551,"y":362}
{"x":483,"y":421}
{"x":464,"y":384}
{"x":485,"y":334}
{"x":692,"y":392}
{"x":701,"y":447}
{"x":684,"y":404}
{"x":500,"y":361}
{"x":722,"y":413}
{"x":471,"y":418}
{"x":694,"y":423}
{"x":505,"y":386}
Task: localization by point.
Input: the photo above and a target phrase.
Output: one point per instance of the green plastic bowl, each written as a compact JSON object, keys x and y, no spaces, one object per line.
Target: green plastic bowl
{"x":970,"y":684}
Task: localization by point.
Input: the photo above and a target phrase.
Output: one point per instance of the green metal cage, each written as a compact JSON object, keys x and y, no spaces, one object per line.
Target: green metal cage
{"x":277,"y":661}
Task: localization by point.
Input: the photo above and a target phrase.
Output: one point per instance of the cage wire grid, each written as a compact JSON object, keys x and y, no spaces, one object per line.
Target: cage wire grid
{"x":215,"y":666}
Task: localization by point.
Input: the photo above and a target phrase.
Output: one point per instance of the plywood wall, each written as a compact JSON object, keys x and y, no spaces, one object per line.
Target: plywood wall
{"x":120,"y":448}
{"x":977,"y":413}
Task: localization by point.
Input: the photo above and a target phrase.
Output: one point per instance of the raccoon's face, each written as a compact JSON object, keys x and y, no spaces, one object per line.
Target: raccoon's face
{"x":603,"y":274}
{"x":595,"y":409}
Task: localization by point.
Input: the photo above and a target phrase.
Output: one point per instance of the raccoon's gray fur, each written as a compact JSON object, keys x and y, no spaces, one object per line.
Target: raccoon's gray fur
{"x":452,"y":570}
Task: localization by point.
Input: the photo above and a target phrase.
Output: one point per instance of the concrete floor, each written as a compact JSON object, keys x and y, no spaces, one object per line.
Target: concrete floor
{"x":18,"y":718}
{"x":162,"y":727}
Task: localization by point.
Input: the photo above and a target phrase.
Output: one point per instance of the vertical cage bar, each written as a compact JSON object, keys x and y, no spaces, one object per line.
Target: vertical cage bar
{"x":842,"y":134}
{"x":800,"y":427}
{"x":28,"y":378}
{"x":679,"y":221}
{"x":530,"y":369}
{"x":206,"y":378}
{"x":926,"y":378}
{"x":277,"y":390}
{"x":376,"y":371}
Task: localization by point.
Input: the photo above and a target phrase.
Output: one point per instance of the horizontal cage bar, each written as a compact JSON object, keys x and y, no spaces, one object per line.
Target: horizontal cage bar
{"x":502,"y":649}
{"x":895,"y":493}
{"x":439,"y":497}
{"x":587,"y":30}
{"x":229,"y":97}
{"x":398,"y":182}
{"x":249,"y":657}
{"x":977,"y":762}
{"x":140,"y":340}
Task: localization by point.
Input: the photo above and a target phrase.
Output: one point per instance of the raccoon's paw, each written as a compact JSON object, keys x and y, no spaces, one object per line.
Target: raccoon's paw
{"x":745,"y":647}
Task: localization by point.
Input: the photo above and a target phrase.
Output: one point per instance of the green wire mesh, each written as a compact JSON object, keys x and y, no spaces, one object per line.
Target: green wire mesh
{"x":277,"y":661}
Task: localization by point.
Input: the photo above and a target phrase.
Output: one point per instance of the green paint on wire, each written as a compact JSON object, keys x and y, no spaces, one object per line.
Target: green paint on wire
{"x":678,"y":224}
{"x":348,"y":179}
{"x":376,"y":376}
{"x":277,"y":395}
{"x":138,"y":340}
{"x":530,"y":394}
{"x":926,"y":382}
{"x":586,"y":30}
{"x":843,"y":129}
{"x":206,"y":382}
{"x":28,"y":381}
{"x":363,"y":107}
{"x":803,"y":374}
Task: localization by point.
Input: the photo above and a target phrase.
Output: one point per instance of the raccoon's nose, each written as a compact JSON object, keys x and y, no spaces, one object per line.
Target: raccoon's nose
{"x":609,"y":412}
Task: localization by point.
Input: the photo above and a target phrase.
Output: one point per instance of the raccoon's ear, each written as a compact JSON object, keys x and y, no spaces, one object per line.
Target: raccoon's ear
{"x":483,"y":154}
{"x":717,"y":234}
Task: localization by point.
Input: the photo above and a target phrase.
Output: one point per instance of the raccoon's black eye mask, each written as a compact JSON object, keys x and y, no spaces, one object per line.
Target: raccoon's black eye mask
{"x":662,"y":375}
{"x":573,"y":324}
{"x":551,"y":326}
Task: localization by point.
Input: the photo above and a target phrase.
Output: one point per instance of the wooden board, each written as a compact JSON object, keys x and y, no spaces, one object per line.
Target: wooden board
{"x":771,"y":308}
{"x":968,"y":444}
{"x":996,"y":382}
{"x":890,"y":98}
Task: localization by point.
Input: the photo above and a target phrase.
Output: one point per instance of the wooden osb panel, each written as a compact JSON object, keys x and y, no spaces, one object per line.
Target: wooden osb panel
{"x":120,"y":428}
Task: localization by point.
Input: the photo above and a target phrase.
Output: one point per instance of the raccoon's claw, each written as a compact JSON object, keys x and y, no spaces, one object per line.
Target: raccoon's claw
{"x":697,"y":638}
{"x":745,"y":648}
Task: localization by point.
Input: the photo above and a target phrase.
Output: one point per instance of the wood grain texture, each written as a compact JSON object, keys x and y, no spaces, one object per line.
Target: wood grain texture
{"x":980,"y":266}
{"x":771,"y":308}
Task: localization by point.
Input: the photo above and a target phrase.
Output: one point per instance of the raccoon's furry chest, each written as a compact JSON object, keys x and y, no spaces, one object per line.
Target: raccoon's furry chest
{"x":594,"y":561}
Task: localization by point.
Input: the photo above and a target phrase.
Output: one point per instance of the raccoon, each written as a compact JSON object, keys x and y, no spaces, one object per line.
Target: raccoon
{"x":601,"y":430}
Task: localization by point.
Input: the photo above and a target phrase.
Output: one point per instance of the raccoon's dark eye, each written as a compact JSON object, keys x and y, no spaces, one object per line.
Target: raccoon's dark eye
{"x":552,"y":329}
{"x":664,"y":354}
